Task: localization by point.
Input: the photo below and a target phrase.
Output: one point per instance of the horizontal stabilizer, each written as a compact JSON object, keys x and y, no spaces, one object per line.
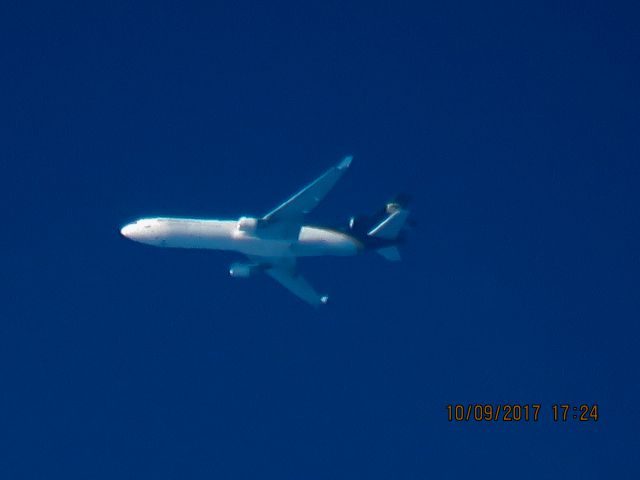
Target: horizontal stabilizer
{"x":390,"y":253}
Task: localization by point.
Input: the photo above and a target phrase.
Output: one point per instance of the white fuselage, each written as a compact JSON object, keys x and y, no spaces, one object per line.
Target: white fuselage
{"x":238,"y":236}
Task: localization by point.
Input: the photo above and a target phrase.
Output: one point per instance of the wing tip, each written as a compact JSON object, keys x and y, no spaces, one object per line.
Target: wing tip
{"x":346,"y":161}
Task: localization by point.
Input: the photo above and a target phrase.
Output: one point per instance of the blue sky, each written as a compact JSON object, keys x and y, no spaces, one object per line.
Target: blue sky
{"x":514,"y":127}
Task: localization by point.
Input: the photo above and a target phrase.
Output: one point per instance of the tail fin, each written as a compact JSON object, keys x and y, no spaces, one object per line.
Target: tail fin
{"x":390,"y":228}
{"x":383,"y":230}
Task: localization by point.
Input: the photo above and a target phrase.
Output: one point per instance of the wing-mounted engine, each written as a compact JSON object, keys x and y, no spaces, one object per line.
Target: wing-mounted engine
{"x":244,"y":270}
{"x":247,"y":225}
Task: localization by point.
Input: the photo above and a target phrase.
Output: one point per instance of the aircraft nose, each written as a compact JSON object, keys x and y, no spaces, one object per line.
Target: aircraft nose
{"x":126,"y":231}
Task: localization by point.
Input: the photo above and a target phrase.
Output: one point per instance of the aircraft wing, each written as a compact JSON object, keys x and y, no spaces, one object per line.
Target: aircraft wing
{"x":283,"y":271}
{"x":285,"y":220}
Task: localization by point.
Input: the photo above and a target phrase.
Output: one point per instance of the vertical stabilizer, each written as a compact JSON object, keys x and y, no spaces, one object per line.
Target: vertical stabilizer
{"x":384,"y":230}
{"x":391,"y":226}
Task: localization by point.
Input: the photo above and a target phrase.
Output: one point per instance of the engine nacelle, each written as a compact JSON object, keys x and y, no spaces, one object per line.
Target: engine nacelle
{"x":241,"y":270}
{"x":247,"y":224}
{"x":393,"y":207}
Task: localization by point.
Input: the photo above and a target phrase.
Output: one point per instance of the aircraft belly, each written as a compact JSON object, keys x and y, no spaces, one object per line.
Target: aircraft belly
{"x":318,"y":241}
{"x":194,"y":242}
{"x":213,"y":235}
{"x":260,"y":247}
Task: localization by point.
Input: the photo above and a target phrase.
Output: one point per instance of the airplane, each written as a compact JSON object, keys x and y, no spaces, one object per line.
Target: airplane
{"x":274,"y":242}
